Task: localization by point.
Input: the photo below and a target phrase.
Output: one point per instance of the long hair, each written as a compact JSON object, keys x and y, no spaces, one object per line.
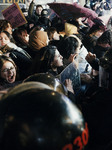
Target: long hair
{"x":42,"y":62}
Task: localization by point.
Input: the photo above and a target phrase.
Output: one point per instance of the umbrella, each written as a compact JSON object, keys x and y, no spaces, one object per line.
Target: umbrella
{"x":69,"y":11}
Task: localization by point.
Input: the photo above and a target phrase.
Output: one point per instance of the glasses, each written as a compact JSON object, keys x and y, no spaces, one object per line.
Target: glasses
{"x":8,"y":69}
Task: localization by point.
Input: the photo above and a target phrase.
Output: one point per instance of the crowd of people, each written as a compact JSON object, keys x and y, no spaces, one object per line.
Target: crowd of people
{"x":68,"y":57}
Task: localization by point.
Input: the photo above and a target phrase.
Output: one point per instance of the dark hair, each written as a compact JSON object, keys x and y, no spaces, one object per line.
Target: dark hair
{"x":39,"y":6}
{"x":4,"y":24}
{"x":95,"y":28}
{"x":68,"y":46}
{"x":45,"y":13}
{"x":42,"y":62}
{"x":106,"y":37}
{"x":17,"y":35}
{"x":50,"y":32}
{"x":7,"y":34}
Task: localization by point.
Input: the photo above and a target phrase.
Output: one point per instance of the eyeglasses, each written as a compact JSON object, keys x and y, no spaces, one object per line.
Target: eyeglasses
{"x":8,"y":69}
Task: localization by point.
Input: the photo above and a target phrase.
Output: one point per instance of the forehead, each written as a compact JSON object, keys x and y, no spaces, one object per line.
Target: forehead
{"x":57,"y":52}
{"x":39,"y":8}
{"x":7,"y":64}
{"x":3,"y":34}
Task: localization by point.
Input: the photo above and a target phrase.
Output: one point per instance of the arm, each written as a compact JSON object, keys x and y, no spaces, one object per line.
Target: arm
{"x":92,"y":60}
{"x":31,"y":8}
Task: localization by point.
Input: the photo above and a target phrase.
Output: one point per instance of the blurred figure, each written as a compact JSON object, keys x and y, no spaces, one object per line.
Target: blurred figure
{"x":96,"y":106}
{"x":35,"y":15}
{"x":44,"y":20}
{"x":37,"y":40}
{"x":21,"y":58}
{"x":21,"y":37}
{"x":6,"y":26}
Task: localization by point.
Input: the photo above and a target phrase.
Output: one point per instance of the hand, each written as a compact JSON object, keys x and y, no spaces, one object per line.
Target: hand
{"x":86,"y":78}
{"x":90,"y":57}
{"x":68,"y":84}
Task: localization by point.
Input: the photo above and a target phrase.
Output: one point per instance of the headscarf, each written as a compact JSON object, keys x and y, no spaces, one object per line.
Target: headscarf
{"x":37,"y":40}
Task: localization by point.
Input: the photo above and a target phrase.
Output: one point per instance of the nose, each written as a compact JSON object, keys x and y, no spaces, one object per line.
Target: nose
{"x":10,"y":71}
{"x":61,"y":56}
{"x":2,"y":39}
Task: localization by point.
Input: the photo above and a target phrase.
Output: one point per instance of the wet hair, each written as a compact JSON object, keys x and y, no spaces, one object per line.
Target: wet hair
{"x":68,"y":46}
{"x":42,"y":62}
{"x":105,"y":38}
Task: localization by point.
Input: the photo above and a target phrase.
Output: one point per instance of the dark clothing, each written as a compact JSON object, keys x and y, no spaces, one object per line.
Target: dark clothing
{"x":33,"y":15}
{"x":89,"y":42}
{"x":22,"y":62}
{"x":21,"y":58}
{"x":5,"y":85}
{"x":99,"y":51}
{"x":97,"y":111}
{"x":44,"y":22}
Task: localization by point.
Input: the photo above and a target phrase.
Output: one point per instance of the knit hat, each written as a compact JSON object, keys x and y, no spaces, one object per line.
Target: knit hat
{"x":70,"y":29}
{"x":37,"y":40}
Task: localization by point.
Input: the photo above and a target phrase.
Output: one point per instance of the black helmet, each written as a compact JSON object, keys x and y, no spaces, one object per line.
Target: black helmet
{"x":40,"y":119}
{"x":48,"y":79}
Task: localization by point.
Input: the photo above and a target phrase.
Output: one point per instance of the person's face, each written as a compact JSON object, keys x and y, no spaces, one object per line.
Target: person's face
{"x":38,"y":10}
{"x":9,"y":28}
{"x":58,"y":60}
{"x":98,"y":33}
{"x":4,"y":40}
{"x":8,"y":72}
{"x":25,"y":36}
{"x":56,"y":36}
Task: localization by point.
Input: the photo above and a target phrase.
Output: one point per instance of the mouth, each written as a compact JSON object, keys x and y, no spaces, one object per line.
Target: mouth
{"x":11,"y":79}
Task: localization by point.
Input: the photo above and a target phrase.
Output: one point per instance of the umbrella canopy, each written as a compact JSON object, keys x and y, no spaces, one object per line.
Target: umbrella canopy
{"x":69,"y":11}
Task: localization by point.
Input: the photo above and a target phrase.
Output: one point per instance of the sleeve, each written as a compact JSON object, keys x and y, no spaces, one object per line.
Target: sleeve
{"x":31,"y":8}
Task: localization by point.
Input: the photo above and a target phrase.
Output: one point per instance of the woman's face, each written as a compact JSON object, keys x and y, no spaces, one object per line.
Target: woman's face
{"x":4,"y":40}
{"x":9,"y":28}
{"x":58,"y":60}
{"x":8,"y":72}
